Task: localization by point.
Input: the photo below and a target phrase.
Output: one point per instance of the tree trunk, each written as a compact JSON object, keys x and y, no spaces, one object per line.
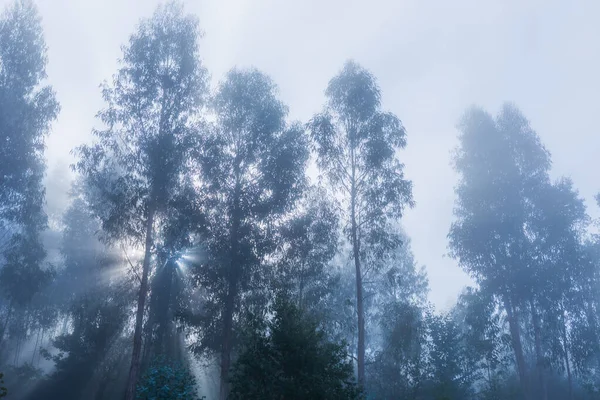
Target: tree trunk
{"x":165,"y":317}
{"x":515,"y":334}
{"x":134,"y":370}
{"x":232,"y":276}
{"x":7,"y":320}
{"x":539,"y":356}
{"x":566,"y":355}
{"x":359,"y":287}
{"x":37,"y":340}
{"x":41,"y":344}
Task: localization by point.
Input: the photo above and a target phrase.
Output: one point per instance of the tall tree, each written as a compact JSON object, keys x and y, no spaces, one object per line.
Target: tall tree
{"x":498,"y":229}
{"x":27,"y":108}
{"x":253,"y":166}
{"x":356,"y":145}
{"x":134,"y":169}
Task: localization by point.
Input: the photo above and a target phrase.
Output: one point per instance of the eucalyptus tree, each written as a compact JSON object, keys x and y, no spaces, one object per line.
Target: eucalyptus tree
{"x":504,"y":173}
{"x":398,"y":313}
{"x":135,"y":167}
{"x":27,"y":108}
{"x":308,"y":244}
{"x":252,"y":166}
{"x":356,"y":146}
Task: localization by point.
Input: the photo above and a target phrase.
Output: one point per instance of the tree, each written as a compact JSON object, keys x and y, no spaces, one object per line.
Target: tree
{"x":291,"y":358}
{"x":95,"y":308}
{"x":27,"y":109}
{"x":356,"y":145}
{"x":519,"y":235}
{"x":135,"y":168}
{"x":166,"y":380}
{"x":451,"y":377}
{"x":398,"y":313}
{"x":252,"y":164}
{"x":308,"y":243}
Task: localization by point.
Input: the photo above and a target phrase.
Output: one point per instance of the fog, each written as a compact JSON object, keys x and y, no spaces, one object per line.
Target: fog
{"x":445,"y":70}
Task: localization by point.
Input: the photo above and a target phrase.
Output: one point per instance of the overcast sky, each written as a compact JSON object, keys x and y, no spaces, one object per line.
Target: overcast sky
{"x":433,"y":59}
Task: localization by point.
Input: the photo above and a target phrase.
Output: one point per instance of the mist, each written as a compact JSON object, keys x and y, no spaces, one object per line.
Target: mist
{"x":306,"y":200}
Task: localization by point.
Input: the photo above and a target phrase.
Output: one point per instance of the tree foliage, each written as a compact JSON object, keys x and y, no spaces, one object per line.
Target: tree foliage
{"x":292,"y":358}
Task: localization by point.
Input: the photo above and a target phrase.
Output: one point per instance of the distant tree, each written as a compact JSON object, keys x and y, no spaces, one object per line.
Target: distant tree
{"x":520,"y":236}
{"x":451,"y":376}
{"x":135,"y":169}
{"x":398,"y":314}
{"x":291,"y":358}
{"x":308,"y":244}
{"x":27,"y":108}
{"x":94,"y":306}
{"x":502,"y":164}
{"x":356,"y":146}
{"x":252,"y":164}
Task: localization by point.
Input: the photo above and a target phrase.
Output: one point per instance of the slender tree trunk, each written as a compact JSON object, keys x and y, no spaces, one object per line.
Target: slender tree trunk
{"x":359,"y":286}
{"x":139,"y":317}
{"x":515,"y":334}
{"x":539,"y":356}
{"x":6,"y":320}
{"x":41,"y":344}
{"x":164,"y":318}
{"x":232,"y":276}
{"x":301,"y":288}
{"x":37,"y":340}
{"x":593,"y":323}
{"x":17,"y":352}
{"x":566,"y":355}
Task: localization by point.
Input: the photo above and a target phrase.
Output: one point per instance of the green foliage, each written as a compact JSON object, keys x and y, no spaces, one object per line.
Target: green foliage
{"x":290,"y":357}
{"x":27,"y":109}
{"x":3,"y":390}
{"x":164,"y":380}
{"x":252,"y":166}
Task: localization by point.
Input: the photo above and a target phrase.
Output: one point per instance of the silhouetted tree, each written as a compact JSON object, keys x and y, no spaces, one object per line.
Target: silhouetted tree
{"x":27,"y":108}
{"x":134,"y":169}
{"x":356,"y":146}
{"x":252,"y":165}
{"x":291,"y":358}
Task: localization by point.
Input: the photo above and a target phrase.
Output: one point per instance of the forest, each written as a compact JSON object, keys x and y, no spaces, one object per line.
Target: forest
{"x":214,"y":248}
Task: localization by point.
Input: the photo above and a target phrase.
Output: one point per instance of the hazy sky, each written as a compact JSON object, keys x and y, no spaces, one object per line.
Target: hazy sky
{"x":433,"y":59}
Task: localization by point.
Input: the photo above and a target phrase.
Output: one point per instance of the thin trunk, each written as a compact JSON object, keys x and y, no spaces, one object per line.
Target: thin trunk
{"x":6,"y":320}
{"x":539,"y":356}
{"x":593,"y":323}
{"x":37,"y":340}
{"x":515,"y":334}
{"x":164,"y":318}
{"x":359,"y":286}
{"x":139,"y":317}
{"x":226,"y":344}
{"x":41,"y":344}
{"x":17,"y":351}
{"x":566,"y":355}
{"x":301,"y":288}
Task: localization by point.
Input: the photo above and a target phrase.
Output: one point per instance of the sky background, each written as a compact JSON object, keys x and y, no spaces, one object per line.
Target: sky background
{"x":433,"y":59}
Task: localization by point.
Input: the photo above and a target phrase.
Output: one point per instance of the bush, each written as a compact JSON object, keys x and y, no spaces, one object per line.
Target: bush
{"x":292,"y":359}
{"x":165,"y":380}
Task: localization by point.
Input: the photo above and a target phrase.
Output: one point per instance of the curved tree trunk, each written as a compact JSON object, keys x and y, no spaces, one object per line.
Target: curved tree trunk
{"x":134,"y":370}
